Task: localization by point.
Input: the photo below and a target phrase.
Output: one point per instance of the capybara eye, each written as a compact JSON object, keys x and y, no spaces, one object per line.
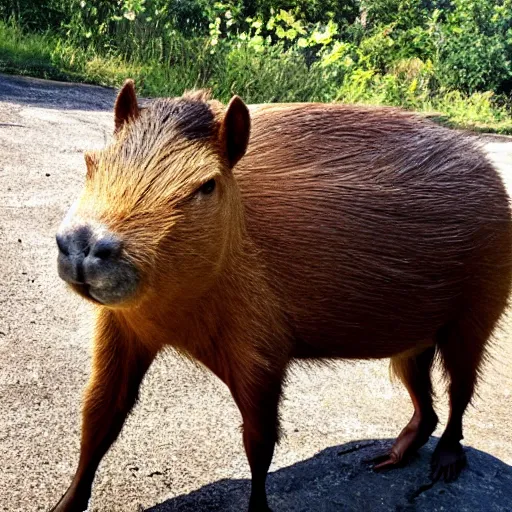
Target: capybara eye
{"x":208,"y":187}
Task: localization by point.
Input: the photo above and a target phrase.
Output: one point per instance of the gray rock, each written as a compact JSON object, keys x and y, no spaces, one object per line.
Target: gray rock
{"x":340,"y":479}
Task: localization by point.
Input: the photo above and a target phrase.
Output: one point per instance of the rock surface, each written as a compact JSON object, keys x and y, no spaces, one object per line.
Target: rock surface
{"x":339,"y":479}
{"x":181,"y":448}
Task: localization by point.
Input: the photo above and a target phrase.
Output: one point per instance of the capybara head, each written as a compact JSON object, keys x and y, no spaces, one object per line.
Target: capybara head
{"x":160,"y":209}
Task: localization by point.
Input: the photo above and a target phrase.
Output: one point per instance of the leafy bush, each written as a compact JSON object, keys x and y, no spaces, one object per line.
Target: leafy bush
{"x":475,"y":46}
{"x":446,"y":55}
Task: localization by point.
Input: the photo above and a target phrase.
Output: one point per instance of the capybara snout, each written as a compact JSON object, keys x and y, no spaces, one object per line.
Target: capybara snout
{"x":92,"y":261}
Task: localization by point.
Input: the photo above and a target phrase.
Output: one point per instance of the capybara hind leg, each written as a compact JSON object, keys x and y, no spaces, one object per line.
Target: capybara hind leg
{"x":119,"y":365}
{"x":462,"y":347}
{"x":258,"y":402}
{"x":414,"y":372}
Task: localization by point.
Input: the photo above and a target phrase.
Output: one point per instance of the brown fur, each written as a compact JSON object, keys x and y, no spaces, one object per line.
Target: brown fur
{"x":344,"y":232}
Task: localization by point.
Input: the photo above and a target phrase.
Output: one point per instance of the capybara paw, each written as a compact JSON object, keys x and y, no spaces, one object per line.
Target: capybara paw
{"x":415,"y":434}
{"x":259,"y":505}
{"x":71,"y":504}
{"x":448,"y":460}
{"x":259,"y":508}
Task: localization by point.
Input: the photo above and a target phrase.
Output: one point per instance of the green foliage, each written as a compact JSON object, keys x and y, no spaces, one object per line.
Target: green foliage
{"x":451,"y":56}
{"x":37,"y":15}
{"x":476,"y":47}
{"x":469,"y":41}
{"x":26,"y":55}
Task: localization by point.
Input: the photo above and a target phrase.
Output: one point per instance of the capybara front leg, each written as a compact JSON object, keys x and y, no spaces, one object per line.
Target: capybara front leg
{"x":414,"y":372}
{"x":119,"y":364}
{"x":258,"y":402}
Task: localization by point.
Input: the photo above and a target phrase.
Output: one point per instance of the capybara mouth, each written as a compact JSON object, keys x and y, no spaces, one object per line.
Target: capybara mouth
{"x":104,"y":296}
{"x":83,"y":290}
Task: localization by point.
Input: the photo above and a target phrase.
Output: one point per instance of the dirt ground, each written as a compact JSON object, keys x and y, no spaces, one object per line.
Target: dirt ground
{"x":181,"y":448}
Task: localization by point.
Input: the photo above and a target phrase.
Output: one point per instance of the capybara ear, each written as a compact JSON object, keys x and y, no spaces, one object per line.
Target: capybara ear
{"x":91,"y":161}
{"x":235,"y":130}
{"x":126,"y":107}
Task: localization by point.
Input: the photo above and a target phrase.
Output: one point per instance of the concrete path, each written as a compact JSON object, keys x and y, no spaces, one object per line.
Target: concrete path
{"x":181,"y":449}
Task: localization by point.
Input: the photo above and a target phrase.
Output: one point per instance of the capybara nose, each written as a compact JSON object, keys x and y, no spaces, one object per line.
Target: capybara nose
{"x":76,"y":242}
{"x":83,"y":255}
{"x":107,"y":248}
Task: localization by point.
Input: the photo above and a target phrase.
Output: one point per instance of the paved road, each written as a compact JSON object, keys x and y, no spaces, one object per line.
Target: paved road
{"x":181,"y":448}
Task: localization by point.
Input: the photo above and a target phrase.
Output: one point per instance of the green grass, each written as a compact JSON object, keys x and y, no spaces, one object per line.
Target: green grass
{"x":26,"y":55}
{"x":44,"y":56}
{"x":267,"y":75}
{"x":476,"y":112}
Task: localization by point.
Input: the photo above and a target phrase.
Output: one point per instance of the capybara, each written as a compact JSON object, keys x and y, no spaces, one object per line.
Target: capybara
{"x":249,"y":237}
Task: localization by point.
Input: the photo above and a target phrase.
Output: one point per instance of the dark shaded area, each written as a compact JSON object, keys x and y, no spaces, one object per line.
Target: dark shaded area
{"x":58,"y":95}
{"x":340,"y":479}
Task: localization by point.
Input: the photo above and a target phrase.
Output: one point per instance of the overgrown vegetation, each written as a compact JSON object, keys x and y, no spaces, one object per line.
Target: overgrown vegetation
{"x":452,"y":57}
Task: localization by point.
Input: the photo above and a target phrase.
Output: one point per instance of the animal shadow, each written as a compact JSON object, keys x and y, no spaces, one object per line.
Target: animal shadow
{"x":340,"y":479}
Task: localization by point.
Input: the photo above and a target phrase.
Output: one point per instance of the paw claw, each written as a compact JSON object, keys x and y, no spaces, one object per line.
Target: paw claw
{"x":384,"y":460}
